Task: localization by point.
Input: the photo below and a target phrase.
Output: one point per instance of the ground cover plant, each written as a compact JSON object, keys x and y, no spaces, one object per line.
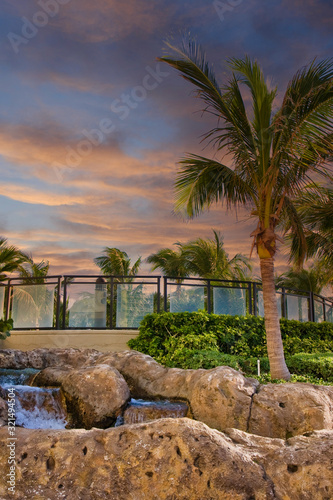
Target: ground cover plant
{"x":202,"y":340}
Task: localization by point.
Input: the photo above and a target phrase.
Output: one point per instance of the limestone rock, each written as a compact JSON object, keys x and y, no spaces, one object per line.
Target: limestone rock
{"x":3,"y":412}
{"x":95,"y":395}
{"x":163,"y":460}
{"x":285,"y":410}
{"x":168,"y":459}
{"x":300,"y":468}
{"x":220,"y":397}
{"x":41,"y":358}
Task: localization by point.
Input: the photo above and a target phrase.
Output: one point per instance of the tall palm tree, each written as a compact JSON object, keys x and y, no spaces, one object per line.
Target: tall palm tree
{"x":208,"y":259}
{"x":10,"y":258}
{"x":274,"y":156}
{"x":172,"y":263}
{"x":117,"y":262}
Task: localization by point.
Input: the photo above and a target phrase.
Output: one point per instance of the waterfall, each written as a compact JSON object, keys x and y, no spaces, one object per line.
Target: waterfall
{"x":140,"y":410}
{"x":35,"y":407}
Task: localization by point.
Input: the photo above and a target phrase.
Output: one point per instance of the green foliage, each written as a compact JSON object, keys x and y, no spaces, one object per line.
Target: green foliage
{"x":5,"y":327}
{"x":319,"y":365}
{"x":202,"y":340}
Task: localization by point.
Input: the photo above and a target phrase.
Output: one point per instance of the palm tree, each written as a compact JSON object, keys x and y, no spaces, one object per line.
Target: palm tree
{"x":33,"y":301}
{"x":313,"y":279}
{"x":116,"y":262}
{"x":10,"y":258}
{"x":172,"y":263}
{"x":274,"y":156}
{"x":315,"y":208}
{"x":208,"y":259}
{"x":34,"y":272}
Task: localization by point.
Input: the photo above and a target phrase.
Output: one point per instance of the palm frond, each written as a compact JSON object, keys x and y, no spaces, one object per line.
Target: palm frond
{"x":202,"y":181}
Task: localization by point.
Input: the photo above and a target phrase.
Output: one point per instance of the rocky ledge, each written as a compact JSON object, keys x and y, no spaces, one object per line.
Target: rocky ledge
{"x":97,"y":386}
{"x":168,"y":459}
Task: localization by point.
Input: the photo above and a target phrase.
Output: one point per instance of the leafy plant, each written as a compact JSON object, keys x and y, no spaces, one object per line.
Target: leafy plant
{"x":5,"y":327}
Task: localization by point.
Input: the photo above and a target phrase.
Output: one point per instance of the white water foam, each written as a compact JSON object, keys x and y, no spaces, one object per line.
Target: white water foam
{"x":38,"y":408}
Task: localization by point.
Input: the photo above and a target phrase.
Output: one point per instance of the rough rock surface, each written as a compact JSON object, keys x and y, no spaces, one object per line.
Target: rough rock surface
{"x":220,"y":397}
{"x":95,"y":395}
{"x":168,"y":459}
{"x":3,"y":412}
{"x":286,"y":410}
{"x":41,"y":358}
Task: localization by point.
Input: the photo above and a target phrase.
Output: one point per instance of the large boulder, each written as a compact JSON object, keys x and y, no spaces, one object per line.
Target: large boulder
{"x":168,"y":459}
{"x":285,"y":410}
{"x":95,"y":395}
{"x":220,"y":397}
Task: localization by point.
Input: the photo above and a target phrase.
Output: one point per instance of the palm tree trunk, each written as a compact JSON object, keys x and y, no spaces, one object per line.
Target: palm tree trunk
{"x":279,"y":369}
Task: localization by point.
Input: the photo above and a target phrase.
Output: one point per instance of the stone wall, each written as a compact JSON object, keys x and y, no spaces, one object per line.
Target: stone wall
{"x":102,"y":340}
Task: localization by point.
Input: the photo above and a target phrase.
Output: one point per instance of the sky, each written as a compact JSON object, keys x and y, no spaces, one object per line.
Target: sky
{"x":92,"y":126}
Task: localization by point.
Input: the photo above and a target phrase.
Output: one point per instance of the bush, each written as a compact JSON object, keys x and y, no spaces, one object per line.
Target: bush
{"x":5,"y":327}
{"x":315,"y":365}
{"x":236,"y":335}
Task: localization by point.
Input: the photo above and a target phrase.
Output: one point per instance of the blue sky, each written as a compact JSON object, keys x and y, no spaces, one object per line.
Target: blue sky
{"x":78,"y":172}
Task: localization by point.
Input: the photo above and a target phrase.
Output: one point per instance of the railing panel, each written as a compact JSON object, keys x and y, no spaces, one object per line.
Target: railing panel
{"x":297,"y":307}
{"x":33,"y":306}
{"x":133,"y":303}
{"x":87,"y":305}
{"x":318,"y":310}
{"x":260,"y":303}
{"x":186,"y":298}
{"x":229,"y":301}
{"x":329,"y":312}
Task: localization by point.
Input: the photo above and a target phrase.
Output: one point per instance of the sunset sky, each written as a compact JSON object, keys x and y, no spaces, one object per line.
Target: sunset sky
{"x":92,"y":127}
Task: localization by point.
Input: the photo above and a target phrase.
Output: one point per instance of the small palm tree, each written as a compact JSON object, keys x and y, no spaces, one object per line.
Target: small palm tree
{"x":315,"y":208}
{"x":172,"y":263}
{"x":11,"y":258}
{"x":313,"y":279}
{"x":208,"y":259}
{"x":34,"y":272}
{"x":117,"y":262}
{"x":275,"y":155}
{"x":34,"y":300}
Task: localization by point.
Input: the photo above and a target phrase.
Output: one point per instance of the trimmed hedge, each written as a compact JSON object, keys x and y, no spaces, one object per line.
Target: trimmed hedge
{"x":162,"y":335}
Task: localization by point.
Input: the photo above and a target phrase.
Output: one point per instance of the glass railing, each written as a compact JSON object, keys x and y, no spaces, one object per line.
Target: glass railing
{"x":121,"y":302}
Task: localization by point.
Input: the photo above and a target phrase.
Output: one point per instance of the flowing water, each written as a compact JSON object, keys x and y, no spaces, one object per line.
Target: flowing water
{"x":140,"y":410}
{"x":42,"y":408}
{"x":35,"y":407}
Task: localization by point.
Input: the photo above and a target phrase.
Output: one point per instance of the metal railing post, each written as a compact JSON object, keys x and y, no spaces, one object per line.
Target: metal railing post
{"x":311,"y":307}
{"x":209,"y":307}
{"x":158,"y":309}
{"x":165,"y":294}
{"x":58,"y":304}
{"x":255,"y":305}
{"x":7,"y":313}
{"x":64,"y":305}
{"x":249,"y":287}
{"x":111,"y":302}
{"x":324,"y":307}
{"x":284,"y":303}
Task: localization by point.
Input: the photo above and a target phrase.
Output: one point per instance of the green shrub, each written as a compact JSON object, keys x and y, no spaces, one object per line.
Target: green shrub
{"x":236,"y":335}
{"x":5,"y":327}
{"x":315,"y":365}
